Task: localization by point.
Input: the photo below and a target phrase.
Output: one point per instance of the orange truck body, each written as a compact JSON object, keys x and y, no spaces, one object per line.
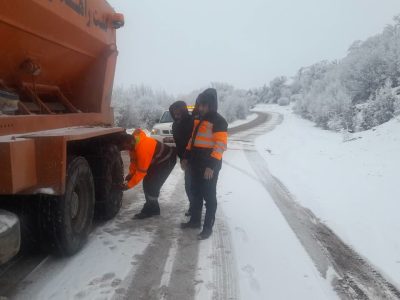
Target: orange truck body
{"x":58,"y":58}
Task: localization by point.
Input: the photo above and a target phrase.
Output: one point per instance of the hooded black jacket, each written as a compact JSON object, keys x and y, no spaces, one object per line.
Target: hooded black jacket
{"x":181,"y":130}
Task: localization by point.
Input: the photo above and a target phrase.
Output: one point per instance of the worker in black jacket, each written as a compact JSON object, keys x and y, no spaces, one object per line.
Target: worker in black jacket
{"x":204,"y":154}
{"x":182,"y":131}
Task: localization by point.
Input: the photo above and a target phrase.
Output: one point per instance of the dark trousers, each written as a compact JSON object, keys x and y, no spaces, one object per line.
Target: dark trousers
{"x":203,"y":190}
{"x":188,"y":188}
{"x":152,"y":183}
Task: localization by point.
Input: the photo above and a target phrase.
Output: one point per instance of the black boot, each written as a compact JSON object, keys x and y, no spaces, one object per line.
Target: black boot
{"x":191,"y":224}
{"x":155,"y":208}
{"x":205,"y":234}
{"x":150,"y":208}
{"x":142,"y":215}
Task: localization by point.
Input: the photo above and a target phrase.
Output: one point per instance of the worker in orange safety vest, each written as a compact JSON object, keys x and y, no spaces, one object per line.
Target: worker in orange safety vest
{"x":203,"y":157}
{"x":150,"y":161}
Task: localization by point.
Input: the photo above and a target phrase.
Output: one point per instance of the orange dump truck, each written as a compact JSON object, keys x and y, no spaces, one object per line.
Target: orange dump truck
{"x":58,"y":147}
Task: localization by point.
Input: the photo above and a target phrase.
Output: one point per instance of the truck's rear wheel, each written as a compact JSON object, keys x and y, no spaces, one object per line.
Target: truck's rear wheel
{"x":68,"y":218}
{"x":109,"y":178}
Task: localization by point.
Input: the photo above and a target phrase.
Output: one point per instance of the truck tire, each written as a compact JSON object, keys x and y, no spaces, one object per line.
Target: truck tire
{"x":68,"y":218}
{"x":108,"y":181}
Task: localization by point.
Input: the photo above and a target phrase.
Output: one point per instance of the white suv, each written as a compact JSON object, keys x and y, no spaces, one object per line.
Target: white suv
{"x":162,"y":131}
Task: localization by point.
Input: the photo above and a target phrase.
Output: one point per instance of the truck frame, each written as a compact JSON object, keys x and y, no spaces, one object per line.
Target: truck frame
{"x":59,"y":149}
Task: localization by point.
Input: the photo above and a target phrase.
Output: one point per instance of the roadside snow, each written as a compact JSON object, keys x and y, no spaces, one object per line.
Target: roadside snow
{"x":248,"y":119}
{"x":272,"y":264}
{"x":352,"y":186}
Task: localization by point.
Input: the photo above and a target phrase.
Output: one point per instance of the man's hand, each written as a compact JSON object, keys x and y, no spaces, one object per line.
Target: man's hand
{"x":184,"y":164}
{"x":128,"y":177}
{"x":208,"y":174}
{"x":124,"y":187}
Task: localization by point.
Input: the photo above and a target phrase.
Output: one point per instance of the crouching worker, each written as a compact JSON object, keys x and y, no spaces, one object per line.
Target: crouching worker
{"x":152,"y":162}
{"x":204,"y":154}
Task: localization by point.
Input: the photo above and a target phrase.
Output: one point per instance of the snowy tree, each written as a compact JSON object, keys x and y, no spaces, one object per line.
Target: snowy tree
{"x":277,"y":89}
{"x":296,"y":97}
{"x":355,"y":92}
{"x":260,"y":95}
{"x":122,"y":107}
{"x":141,"y":106}
{"x":380,"y":108}
{"x":396,"y":104}
{"x":233,"y":103}
{"x":283,"y":101}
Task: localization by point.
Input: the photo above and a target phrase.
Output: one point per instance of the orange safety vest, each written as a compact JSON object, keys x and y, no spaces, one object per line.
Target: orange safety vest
{"x":141,"y":157}
{"x":207,"y":136}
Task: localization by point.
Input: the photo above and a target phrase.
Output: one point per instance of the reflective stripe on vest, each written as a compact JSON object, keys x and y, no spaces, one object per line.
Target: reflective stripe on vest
{"x":203,"y":143}
{"x":160,"y":153}
{"x":203,"y":135}
{"x":207,"y":134}
{"x":221,"y":144}
{"x":219,"y":150}
{"x":166,"y":156}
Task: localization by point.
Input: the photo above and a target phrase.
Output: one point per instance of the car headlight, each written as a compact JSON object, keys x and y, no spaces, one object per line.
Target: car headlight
{"x":155,"y":131}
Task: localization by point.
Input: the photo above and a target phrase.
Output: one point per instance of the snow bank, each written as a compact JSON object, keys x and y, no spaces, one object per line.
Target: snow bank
{"x":353,"y":186}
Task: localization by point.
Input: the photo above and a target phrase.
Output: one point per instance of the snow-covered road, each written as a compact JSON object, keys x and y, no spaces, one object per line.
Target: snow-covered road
{"x":347,"y":272}
{"x":265,"y":246}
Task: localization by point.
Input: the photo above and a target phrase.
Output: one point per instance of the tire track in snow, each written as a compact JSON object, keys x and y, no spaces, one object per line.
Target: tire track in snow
{"x":224,"y":271}
{"x":167,"y":268}
{"x":355,"y":277}
{"x":182,"y":280}
{"x":146,"y":282}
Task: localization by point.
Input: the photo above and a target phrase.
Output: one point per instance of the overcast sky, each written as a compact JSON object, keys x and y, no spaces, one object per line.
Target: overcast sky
{"x":182,"y":45}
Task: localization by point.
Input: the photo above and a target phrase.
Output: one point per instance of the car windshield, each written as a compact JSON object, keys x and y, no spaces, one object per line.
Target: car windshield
{"x":166,"y":118}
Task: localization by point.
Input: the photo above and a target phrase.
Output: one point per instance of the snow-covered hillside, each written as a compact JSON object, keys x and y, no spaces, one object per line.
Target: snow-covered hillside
{"x":353,"y":186}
